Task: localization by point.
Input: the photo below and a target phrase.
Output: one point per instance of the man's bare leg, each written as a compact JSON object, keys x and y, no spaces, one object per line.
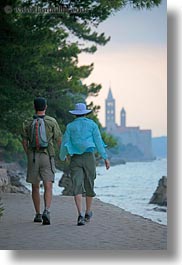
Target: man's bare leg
{"x":47,"y":202}
{"x":47,"y":194}
{"x":36,"y":197}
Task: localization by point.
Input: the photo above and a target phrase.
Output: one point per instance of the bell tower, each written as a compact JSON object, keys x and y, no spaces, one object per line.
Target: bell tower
{"x":123,"y":118}
{"x":110,"y":112}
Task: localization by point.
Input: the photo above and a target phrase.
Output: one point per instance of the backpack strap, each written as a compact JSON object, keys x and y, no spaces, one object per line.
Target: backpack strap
{"x":36,"y":134}
{"x":33,"y":156}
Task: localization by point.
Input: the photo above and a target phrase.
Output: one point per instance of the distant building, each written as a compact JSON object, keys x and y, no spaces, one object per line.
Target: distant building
{"x":142,"y":139}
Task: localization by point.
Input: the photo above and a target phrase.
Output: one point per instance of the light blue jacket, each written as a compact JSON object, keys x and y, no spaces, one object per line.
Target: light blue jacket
{"x":82,"y":135}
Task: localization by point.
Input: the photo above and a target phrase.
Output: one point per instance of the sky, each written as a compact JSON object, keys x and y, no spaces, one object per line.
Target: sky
{"x":134,"y":65}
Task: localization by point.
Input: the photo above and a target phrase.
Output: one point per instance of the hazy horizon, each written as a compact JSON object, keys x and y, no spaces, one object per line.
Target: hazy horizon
{"x":134,"y":65}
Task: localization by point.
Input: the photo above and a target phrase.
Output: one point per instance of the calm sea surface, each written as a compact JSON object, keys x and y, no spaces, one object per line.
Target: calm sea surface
{"x":130,"y":187}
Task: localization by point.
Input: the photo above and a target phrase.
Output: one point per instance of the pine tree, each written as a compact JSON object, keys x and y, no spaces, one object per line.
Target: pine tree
{"x":39,"y":54}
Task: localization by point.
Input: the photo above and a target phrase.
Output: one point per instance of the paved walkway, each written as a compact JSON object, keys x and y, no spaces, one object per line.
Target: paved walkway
{"x":110,"y":228}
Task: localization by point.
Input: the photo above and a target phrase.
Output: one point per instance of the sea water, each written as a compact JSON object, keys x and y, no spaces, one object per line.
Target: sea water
{"x":130,"y":187}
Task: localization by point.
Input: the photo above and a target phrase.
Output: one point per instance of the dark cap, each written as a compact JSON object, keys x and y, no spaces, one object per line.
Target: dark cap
{"x":40,"y":103}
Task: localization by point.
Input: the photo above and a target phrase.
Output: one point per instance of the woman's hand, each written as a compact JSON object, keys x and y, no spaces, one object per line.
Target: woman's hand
{"x":107,"y":163}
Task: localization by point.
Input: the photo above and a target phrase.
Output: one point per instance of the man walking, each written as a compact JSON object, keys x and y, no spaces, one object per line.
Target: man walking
{"x":39,"y":133}
{"x":81,"y":139}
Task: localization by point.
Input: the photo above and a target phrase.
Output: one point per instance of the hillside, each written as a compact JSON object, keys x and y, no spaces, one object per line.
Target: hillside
{"x":159,"y":146}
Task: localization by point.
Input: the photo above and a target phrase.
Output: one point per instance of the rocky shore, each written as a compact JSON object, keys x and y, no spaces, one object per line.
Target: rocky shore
{"x":11,"y":178}
{"x":160,"y":195}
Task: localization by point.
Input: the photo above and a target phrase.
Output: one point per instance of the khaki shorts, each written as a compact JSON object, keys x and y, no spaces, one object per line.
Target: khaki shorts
{"x":83,"y":174}
{"x":43,"y":168}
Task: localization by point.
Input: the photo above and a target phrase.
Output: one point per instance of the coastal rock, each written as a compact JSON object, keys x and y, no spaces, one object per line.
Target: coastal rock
{"x":4,"y":179}
{"x":15,"y":178}
{"x":11,"y":179}
{"x":66,"y":183}
{"x":160,"y":195}
{"x":159,"y":209}
{"x":20,"y":189}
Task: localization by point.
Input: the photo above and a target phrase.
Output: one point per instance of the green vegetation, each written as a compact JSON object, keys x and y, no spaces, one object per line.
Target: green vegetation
{"x":39,"y":54}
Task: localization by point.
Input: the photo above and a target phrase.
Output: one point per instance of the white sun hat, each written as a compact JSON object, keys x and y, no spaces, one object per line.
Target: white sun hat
{"x":80,"y":109}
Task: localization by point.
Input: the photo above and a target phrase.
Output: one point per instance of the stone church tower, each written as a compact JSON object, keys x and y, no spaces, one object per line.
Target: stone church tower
{"x":131,"y":137}
{"x":110,"y":112}
{"x":123,"y":118}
